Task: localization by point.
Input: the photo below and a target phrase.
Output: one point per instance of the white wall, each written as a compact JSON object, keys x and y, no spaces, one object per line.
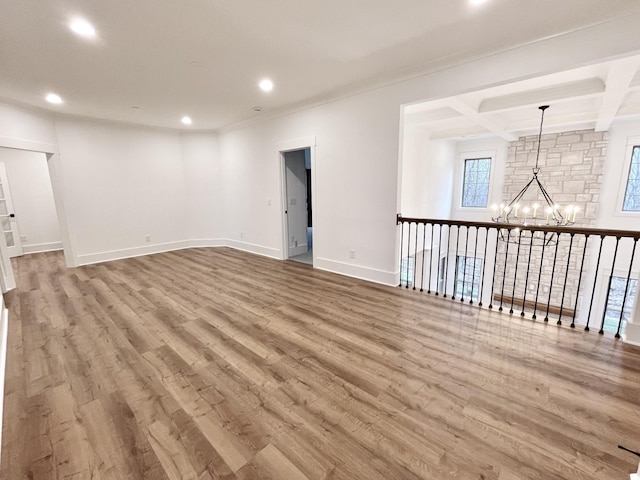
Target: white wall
{"x":427,"y":175}
{"x":122,"y":183}
{"x":355,"y":174}
{"x":205,"y":202}
{"x":614,"y":178}
{"x":20,"y":125}
{"x":32,"y":195}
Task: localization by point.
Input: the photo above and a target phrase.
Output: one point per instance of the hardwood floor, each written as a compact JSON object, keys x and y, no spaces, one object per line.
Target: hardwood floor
{"x":216,"y":364}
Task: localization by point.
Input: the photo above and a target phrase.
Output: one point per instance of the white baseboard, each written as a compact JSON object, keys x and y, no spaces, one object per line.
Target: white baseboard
{"x":207,"y":242}
{"x":348,"y":269}
{"x":111,"y":255}
{"x":357,"y":271}
{"x":253,"y":248}
{"x":41,"y":247}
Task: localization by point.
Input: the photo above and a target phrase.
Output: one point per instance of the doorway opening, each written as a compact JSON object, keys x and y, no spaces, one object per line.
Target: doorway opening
{"x":27,"y":207}
{"x":298,"y":205}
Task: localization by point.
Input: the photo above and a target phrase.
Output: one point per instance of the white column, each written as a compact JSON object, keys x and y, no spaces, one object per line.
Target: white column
{"x":631,"y":333}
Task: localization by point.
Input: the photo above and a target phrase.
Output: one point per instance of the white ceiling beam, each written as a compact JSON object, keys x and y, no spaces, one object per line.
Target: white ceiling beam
{"x":432,"y":116}
{"x":556,"y":120}
{"x":621,"y":74}
{"x":484,"y":121}
{"x":543,"y":96}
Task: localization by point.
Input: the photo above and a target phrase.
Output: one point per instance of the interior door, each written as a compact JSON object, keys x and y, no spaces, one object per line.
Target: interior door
{"x":7,"y":217}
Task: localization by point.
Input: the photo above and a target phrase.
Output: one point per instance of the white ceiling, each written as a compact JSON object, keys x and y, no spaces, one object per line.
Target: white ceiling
{"x":204,"y":58}
{"x":584,"y":98}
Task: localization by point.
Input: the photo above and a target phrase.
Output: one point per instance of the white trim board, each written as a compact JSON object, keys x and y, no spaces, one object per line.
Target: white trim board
{"x":113,"y":255}
{"x":357,"y":271}
{"x":41,"y":247}
{"x":340,"y":268}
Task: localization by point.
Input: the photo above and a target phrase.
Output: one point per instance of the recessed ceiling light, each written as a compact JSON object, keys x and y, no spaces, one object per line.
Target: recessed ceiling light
{"x":83,"y":28}
{"x":53,"y":98}
{"x":187,"y":120}
{"x":266,"y":85}
{"x":257,"y":109}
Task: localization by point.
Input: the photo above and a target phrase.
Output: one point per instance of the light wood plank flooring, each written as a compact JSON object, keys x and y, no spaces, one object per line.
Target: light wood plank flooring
{"x":216,"y":364}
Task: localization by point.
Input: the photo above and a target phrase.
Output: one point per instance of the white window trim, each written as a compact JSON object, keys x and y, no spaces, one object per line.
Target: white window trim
{"x":622,"y":190}
{"x":459,"y":172}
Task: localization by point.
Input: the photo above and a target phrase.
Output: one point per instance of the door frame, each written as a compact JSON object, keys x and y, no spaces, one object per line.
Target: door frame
{"x":59,"y":196}
{"x":290,"y":146}
{"x":16,"y":250}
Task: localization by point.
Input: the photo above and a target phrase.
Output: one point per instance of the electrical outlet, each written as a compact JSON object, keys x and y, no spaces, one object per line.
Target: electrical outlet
{"x":23,"y":238}
{"x":241,"y":235}
{"x":352,"y":253}
{"x":268,"y":202}
{"x":295,"y":243}
{"x":147,"y":238}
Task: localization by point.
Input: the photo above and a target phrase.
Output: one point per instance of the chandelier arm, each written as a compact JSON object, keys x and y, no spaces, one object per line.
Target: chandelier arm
{"x":550,"y":201}
{"x":521,"y":194}
{"x":545,"y":194}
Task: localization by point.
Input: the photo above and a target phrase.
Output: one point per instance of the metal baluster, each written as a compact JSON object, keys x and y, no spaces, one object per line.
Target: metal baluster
{"x":626,"y":287}
{"x":484,"y":262}
{"x":455,"y":273}
{"x":446,"y":262}
{"x":526,"y":278}
{"x":495,"y":263}
{"x":535,"y":304}
{"x":401,"y":247}
{"x":433,"y":226}
{"x":504,"y":273}
{"x":595,"y":281}
{"x":613,"y":269}
{"x":438,"y":259}
{"x":415,"y":256}
{"x":566,"y":276}
{"x":553,"y":272}
{"x":464,"y":269}
{"x":408,"y":248}
{"x":424,"y":241}
{"x":515,"y":275}
{"x":584,"y":254}
{"x":473,"y":275}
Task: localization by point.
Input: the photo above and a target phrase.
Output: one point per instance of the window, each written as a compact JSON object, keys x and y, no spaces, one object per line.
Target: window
{"x":406,"y":271}
{"x":475,"y":185}
{"x":632,"y":192}
{"x":468,"y":275}
{"x":614,"y":303}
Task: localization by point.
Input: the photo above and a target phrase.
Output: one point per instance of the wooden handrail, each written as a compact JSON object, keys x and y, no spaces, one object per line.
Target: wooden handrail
{"x":600,"y":232}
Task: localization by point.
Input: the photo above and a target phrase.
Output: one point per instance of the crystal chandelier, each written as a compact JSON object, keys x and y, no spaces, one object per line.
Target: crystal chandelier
{"x":544,"y":212}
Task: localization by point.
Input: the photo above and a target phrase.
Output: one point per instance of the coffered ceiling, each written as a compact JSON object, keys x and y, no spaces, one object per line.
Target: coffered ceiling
{"x":584,"y":98}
